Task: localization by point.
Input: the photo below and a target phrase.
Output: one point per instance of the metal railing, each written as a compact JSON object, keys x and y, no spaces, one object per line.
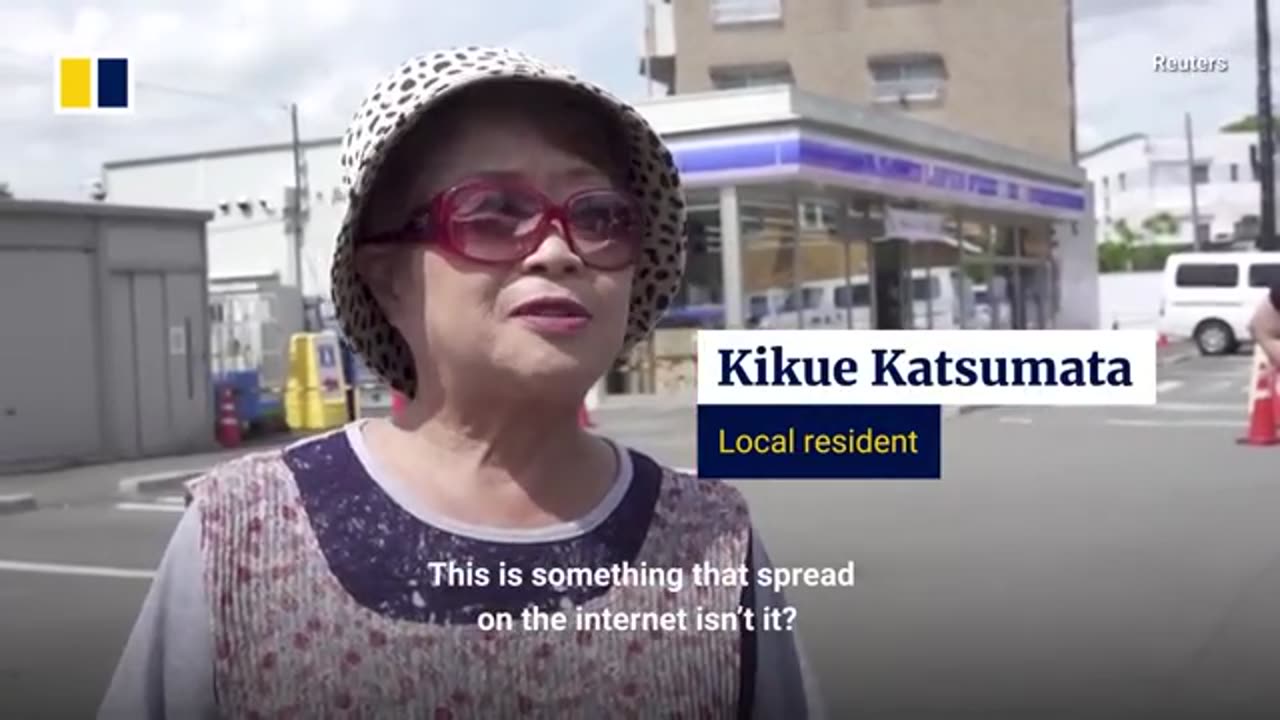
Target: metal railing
{"x":917,"y":90}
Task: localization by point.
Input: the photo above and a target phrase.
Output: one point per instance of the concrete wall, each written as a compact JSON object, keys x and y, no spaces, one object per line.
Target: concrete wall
{"x":103,"y":333}
{"x":1076,"y":253}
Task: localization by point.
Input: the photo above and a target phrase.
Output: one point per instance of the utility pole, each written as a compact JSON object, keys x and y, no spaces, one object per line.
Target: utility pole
{"x":649,"y":43}
{"x":1266,"y":130}
{"x":298,"y":198}
{"x":1191,"y":178}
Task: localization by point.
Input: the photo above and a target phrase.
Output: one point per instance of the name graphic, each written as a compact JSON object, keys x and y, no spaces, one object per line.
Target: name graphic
{"x":772,"y":366}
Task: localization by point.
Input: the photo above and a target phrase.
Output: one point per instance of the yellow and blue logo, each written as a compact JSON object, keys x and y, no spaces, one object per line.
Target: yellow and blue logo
{"x":93,"y":85}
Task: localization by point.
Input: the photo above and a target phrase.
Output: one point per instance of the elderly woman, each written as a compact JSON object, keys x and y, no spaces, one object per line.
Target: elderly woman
{"x":511,"y":230}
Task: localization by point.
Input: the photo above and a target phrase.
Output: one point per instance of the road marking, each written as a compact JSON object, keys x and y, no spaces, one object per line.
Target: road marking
{"x":1198,"y":407}
{"x":151,"y":507}
{"x":1168,"y":385}
{"x":1217,"y":387}
{"x":1216,"y":375}
{"x":1016,"y":420}
{"x":80,"y":570}
{"x":1127,"y":422}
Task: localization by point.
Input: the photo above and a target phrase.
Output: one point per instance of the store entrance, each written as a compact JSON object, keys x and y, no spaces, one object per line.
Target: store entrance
{"x":891,"y":284}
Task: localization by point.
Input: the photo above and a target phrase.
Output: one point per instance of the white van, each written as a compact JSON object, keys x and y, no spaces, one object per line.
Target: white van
{"x":1210,"y":296}
{"x":826,"y":304}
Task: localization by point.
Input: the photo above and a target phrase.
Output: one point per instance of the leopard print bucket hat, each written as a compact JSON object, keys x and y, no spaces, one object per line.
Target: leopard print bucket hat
{"x":402,"y":98}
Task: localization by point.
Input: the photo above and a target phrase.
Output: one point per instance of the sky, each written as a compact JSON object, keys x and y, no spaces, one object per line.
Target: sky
{"x":220,"y":73}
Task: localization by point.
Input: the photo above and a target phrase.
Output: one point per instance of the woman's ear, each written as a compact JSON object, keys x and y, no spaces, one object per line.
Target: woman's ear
{"x":386,"y":271}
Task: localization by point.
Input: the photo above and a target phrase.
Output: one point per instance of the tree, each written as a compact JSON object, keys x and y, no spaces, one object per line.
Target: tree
{"x":1246,"y":124}
{"x":5,"y":192}
{"x":1162,"y":224}
{"x":1115,"y":254}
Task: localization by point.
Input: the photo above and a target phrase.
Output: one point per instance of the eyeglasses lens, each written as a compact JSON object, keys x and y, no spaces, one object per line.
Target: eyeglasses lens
{"x":497,"y":224}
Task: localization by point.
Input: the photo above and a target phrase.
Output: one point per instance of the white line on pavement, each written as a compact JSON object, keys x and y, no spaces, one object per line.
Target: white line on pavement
{"x":1218,"y":386}
{"x":1200,"y":407}
{"x":81,"y":570}
{"x":1133,"y":422}
{"x":1016,"y":420}
{"x":151,"y":507}
{"x":1168,"y":385}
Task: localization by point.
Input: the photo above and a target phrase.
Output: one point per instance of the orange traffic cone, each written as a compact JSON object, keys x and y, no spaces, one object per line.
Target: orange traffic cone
{"x":228,"y":432}
{"x":1262,"y":414}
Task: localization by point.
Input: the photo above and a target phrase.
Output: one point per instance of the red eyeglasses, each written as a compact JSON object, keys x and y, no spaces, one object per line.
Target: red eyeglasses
{"x":497,"y":222}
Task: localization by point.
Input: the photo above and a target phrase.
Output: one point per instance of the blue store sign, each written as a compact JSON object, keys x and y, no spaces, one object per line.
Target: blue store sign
{"x":804,"y":152}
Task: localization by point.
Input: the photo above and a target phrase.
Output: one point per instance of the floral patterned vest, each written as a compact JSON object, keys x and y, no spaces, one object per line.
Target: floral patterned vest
{"x":291,"y":642}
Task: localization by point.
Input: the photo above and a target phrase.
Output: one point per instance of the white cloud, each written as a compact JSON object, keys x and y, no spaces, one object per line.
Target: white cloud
{"x":217,"y":73}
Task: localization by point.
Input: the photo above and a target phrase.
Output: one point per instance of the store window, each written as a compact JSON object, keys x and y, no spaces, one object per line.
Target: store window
{"x":738,"y":12}
{"x":744,"y":76}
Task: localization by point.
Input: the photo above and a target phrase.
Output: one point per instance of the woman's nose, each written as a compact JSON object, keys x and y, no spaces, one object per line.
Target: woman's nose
{"x":554,"y":255}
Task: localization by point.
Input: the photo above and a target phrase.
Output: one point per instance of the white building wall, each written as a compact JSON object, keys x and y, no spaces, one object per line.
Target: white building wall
{"x":1077,"y":258}
{"x":1145,"y":176}
{"x":246,"y":192}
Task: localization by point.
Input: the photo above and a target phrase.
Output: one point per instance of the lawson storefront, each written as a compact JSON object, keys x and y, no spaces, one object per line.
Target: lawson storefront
{"x":809,"y":212}
{"x":806,"y":212}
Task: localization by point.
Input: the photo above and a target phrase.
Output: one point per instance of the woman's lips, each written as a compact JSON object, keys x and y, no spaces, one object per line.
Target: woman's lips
{"x":553,"y":315}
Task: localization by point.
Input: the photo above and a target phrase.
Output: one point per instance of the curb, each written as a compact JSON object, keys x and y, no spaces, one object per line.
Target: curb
{"x":158,"y":483}
{"x":954,"y":411}
{"x":14,"y":504}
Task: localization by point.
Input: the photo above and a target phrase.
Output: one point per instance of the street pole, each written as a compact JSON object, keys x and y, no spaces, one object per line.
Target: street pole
{"x":1191,"y":177}
{"x":845,"y":228}
{"x":1266,"y":130}
{"x":649,"y":43}
{"x":299,"y":197}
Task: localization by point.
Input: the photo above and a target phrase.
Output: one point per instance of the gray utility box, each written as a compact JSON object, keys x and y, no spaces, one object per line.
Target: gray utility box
{"x":104,"y":333}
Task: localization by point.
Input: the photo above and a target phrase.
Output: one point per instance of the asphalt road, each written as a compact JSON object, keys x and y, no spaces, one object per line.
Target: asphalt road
{"x":1072,"y":563}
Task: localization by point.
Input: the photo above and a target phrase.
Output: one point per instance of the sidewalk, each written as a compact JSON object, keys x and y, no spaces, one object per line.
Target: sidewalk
{"x":96,"y":483}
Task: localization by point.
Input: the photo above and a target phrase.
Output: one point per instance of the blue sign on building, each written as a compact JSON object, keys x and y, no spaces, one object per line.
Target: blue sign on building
{"x":756,"y":154}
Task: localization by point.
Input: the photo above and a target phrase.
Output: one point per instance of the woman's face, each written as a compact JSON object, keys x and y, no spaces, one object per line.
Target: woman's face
{"x":484,"y":325}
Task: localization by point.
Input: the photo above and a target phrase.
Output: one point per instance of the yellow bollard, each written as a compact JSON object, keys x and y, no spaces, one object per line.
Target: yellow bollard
{"x":316,"y":393}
